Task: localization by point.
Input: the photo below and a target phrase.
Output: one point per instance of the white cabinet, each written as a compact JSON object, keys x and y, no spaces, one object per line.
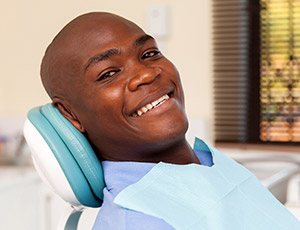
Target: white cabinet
{"x":19,"y":198}
{"x":26,"y":203}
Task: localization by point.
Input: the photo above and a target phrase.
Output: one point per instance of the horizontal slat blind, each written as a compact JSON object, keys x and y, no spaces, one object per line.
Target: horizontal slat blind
{"x":280,"y":71}
{"x":230,"y":58}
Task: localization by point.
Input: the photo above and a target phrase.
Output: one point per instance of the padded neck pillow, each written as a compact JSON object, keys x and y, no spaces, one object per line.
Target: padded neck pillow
{"x":63,"y":157}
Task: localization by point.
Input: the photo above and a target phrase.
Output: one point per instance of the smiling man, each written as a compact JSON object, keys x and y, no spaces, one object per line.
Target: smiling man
{"x":109,"y":79}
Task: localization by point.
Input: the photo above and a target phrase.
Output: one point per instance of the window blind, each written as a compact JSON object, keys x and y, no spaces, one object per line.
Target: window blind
{"x":256,"y":54}
{"x":280,"y":71}
{"x":230,"y":69}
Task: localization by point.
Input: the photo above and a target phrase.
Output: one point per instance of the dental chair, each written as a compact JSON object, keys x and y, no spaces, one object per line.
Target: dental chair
{"x":65,"y":161}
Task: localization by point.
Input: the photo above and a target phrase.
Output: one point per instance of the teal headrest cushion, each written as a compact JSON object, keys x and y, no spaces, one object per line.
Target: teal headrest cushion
{"x":73,"y":152}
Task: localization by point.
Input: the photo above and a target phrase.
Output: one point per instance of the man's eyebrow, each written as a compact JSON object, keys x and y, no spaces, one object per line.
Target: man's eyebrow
{"x":114,"y":51}
{"x":143,"y":39}
{"x":101,"y":57}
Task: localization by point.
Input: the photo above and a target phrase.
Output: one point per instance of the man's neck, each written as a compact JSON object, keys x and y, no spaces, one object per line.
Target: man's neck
{"x":179,"y":152}
{"x":182,"y":153}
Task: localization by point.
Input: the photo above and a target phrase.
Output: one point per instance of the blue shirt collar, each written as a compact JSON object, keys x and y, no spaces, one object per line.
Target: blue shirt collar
{"x":120,"y":174}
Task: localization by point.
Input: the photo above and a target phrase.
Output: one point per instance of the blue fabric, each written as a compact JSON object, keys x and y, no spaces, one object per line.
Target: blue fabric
{"x":225,"y":196}
{"x":119,"y":175}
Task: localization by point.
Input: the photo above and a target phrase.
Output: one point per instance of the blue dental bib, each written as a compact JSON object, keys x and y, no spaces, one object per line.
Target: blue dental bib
{"x":225,"y":196}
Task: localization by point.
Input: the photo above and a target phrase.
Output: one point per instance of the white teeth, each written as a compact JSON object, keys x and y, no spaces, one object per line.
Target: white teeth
{"x":144,"y":109}
{"x":139,"y":112}
{"x":154,"y":103}
{"x":166,"y":96}
{"x":151,"y":105}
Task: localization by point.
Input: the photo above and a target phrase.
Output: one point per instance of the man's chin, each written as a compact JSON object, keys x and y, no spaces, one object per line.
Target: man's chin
{"x":168,"y":132}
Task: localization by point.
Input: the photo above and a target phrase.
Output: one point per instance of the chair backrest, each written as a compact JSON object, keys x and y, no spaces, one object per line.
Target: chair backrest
{"x":63,"y":157}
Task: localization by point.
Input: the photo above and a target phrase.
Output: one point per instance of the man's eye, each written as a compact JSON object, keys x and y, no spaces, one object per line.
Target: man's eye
{"x":151,"y":53}
{"x":107,"y":74}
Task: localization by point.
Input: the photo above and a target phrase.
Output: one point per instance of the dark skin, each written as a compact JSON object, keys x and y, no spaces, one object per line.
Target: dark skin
{"x":102,"y":71}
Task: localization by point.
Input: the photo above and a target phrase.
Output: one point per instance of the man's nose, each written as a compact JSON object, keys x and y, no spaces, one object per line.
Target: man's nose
{"x":144,"y":75}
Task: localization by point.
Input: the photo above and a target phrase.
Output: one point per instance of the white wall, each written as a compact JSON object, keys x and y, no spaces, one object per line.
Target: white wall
{"x":27,"y":27}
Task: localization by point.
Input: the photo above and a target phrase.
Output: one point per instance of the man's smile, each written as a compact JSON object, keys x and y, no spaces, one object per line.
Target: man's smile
{"x":151,"y":101}
{"x":151,"y":106}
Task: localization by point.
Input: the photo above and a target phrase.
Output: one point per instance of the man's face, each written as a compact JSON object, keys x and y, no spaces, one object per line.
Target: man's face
{"x":128,"y":97}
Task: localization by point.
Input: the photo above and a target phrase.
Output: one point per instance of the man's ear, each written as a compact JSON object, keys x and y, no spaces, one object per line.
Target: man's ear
{"x":68,"y":114}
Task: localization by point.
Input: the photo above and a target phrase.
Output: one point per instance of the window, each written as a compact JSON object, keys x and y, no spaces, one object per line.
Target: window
{"x":257,"y":71}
